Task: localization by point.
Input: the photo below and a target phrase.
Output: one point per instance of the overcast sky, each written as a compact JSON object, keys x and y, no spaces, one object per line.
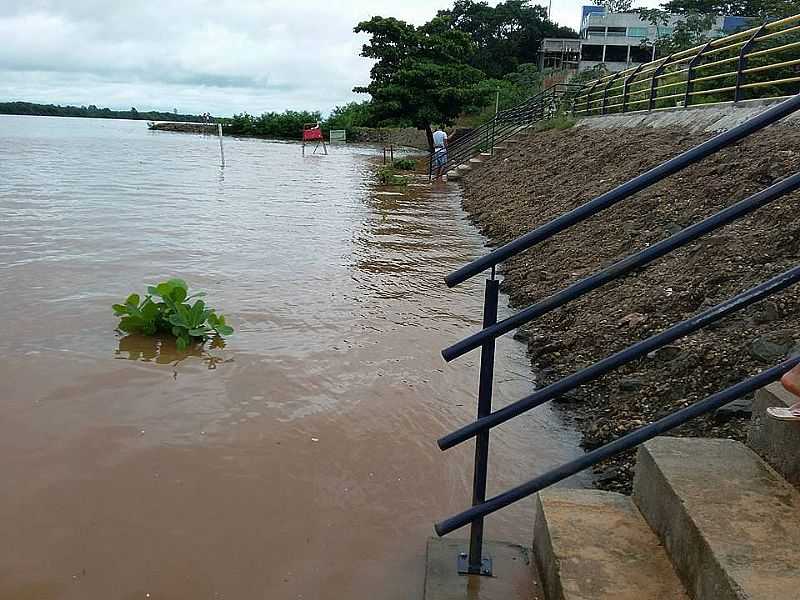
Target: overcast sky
{"x":221,"y":56}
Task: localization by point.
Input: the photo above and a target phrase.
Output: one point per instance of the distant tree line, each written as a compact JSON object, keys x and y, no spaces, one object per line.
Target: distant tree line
{"x":91,"y":111}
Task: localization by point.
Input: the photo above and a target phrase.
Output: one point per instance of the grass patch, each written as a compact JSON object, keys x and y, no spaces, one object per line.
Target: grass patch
{"x":388,"y":176}
{"x":558,"y":122}
{"x":405,"y":164}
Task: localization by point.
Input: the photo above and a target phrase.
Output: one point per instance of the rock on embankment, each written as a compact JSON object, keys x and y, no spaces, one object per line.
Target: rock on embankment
{"x":552,"y":172}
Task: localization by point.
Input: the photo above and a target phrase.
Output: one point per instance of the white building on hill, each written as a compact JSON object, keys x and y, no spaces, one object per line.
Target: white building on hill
{"x":617,"y":40}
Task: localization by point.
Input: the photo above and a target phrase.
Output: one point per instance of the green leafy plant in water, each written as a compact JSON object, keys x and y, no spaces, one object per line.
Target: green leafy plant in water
{"x":167,"y":308}
{"x":388,"y":176}
{"x":405,"y":164}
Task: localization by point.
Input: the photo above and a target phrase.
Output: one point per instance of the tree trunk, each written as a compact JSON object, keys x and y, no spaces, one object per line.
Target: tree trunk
{"x":429,"y":133}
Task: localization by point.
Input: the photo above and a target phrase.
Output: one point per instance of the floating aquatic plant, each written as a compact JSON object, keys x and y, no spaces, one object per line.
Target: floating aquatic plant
{"x":167,"y":308}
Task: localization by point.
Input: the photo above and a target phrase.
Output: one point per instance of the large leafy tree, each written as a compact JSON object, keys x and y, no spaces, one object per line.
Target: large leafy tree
{"x":615,"y":6}
{"x":693,"y":29}
{"x":506,"y":35}
{"x":420,"y":75}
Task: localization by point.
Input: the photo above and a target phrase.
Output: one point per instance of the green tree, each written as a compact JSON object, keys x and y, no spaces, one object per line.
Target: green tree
{"x":352,"y":114}
{"x":506,"y":35}
{"x":421,"y":73}
{"x":527,"y":77}
{"x":285,"y":125}
{"x":691,"y":30}
{"x":615,"y":6}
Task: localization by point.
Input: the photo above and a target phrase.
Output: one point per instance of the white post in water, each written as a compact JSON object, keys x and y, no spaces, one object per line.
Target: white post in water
{"x":221,"y":150}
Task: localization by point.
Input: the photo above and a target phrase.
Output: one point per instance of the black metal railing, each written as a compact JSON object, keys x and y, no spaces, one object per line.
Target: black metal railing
{"x":485,"y":339}
{"x":505,"y":124}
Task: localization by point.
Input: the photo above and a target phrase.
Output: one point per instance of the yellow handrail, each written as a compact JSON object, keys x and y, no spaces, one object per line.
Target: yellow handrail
{"x":647,"y":79}
{"x":716,"y":45}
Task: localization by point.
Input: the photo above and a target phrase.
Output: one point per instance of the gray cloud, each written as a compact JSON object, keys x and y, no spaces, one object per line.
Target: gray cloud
{"x":224,"y":57}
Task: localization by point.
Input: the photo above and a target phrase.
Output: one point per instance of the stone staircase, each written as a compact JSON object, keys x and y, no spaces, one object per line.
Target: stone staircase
{"x":477,"y":161}
{"x":709,"y":519}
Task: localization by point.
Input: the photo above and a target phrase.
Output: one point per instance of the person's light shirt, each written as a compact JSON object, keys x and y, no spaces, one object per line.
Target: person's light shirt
{"x":439,"y":138}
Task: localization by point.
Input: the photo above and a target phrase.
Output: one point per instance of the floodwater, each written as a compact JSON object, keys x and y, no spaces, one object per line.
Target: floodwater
{"x":297,"y":461}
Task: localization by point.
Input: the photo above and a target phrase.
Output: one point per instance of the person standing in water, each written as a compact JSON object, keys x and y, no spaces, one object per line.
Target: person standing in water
{"x":439,"y":151}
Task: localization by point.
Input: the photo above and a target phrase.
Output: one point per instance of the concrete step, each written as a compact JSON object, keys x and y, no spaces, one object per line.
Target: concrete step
{"x":729,"y":522}
{"x":778,"y":442}
{"x":463,"y":168}
{"x":453,"y":175}
{"x":476,"y":161}
{"x":593,"y":545}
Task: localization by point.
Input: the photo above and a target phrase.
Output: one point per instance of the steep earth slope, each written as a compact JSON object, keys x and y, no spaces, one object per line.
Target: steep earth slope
{"x":552,"y":172}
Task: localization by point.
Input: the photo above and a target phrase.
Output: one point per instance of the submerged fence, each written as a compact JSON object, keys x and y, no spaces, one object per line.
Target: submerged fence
{"x":756,"y":63}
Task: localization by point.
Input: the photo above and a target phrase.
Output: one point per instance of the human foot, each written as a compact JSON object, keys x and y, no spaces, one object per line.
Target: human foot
{"x":785,"y":414}
{"x":791,"y":381}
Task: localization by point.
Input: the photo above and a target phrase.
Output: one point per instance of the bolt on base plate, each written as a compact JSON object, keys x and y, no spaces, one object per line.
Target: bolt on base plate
{"x":463,"y":565}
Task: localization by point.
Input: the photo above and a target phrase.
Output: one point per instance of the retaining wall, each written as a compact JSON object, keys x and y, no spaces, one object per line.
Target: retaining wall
{"x":710,"y":119}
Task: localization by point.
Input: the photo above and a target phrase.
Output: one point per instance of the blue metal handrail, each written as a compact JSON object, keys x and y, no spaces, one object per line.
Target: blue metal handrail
{"x":485,"y":339}
{"x":629,"y":354}
{"x":623,"y":191}
{"x":626,"y":442}
{"x":624,"y":266}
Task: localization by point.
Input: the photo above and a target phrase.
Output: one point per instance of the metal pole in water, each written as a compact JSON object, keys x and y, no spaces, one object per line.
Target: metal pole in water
{"x":221,"y":150}
{"x":476,"y":563}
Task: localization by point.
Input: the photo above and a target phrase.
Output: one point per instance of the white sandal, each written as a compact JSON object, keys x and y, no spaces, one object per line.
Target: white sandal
{"x":785,"y":414}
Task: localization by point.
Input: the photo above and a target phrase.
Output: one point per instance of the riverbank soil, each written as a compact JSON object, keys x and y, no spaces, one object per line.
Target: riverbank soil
{"x":553,"y":172}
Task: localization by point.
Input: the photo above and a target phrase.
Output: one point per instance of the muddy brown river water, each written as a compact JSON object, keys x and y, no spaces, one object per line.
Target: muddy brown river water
{"x":297,"y":461}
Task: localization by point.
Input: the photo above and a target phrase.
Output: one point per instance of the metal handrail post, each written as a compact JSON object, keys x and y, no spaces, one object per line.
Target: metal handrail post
{"x":737,"y":93}
{"x":687,"y":99}
{"x":626,"y":86}
{"x":605,"y":92}
{"x":658,"y":71}
{"x":589,"y":95}
{"x":477,"y":563}
{"x":572,"y":103}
